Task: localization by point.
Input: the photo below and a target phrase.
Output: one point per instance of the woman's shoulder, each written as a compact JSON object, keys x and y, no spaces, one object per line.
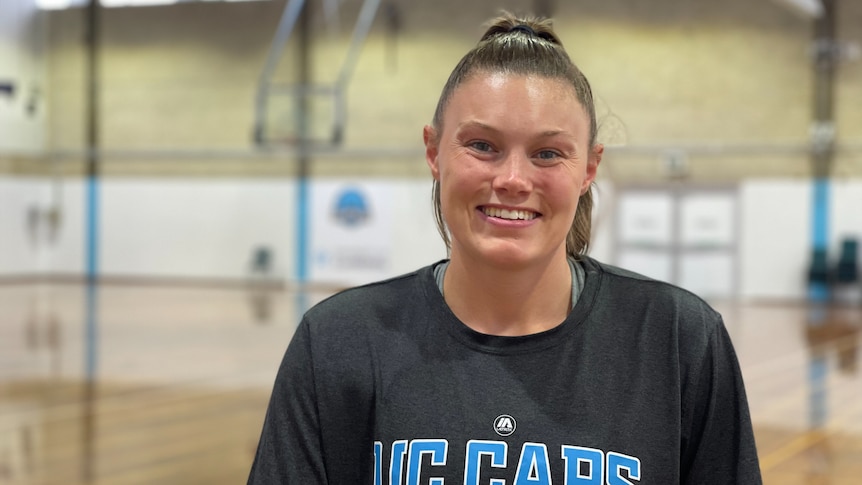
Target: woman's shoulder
{"x":638,"y":286}
{"x":375,"y":300}
{"x":656,"y":302}
{"x":660,"y":308}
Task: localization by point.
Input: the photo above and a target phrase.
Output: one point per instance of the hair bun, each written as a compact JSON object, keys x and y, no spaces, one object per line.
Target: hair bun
{"x":524,"y":28}
{"x":509,"y":24}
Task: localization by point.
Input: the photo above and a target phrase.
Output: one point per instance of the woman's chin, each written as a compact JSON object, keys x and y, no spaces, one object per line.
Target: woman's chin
{"x":506,"y":255}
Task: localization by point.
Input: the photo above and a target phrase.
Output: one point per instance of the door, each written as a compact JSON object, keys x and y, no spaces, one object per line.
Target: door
{"x":686,"y":236}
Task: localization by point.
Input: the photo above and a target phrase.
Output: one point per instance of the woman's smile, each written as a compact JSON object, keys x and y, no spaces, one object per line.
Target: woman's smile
{"x":515,"y":214}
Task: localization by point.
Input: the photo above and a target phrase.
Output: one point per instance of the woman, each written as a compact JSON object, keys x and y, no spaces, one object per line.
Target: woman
{"x":518,"y":360}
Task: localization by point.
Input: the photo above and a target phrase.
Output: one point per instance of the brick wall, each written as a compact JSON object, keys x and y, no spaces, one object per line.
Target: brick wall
{"x":730,"y":80}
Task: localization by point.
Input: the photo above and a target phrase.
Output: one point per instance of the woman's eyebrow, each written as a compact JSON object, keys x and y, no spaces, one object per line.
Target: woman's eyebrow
{"x":487,"y":127}
{"x":551,"y":133}
{"x":477,"y":124}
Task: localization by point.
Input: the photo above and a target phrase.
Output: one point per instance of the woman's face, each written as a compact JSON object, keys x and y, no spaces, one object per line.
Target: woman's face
{"x":512,"y":159}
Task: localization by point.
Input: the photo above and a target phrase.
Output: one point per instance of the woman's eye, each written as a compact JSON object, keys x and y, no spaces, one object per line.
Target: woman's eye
{"x":547,"y":155}
{"x":481,"y":146}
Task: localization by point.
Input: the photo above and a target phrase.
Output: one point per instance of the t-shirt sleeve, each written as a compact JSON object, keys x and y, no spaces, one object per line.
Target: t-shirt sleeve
{"x":290,"y":449}
{"x":718,"y":441}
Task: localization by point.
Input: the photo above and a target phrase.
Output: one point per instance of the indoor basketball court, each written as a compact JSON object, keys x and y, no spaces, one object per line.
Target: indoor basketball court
{"x":180,"y":181}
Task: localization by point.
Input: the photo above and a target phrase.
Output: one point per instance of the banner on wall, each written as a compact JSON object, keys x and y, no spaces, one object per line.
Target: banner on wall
{"x":351,"y":231}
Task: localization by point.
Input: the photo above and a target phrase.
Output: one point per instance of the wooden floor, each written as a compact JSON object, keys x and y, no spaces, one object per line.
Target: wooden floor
{"x":182,"y":377}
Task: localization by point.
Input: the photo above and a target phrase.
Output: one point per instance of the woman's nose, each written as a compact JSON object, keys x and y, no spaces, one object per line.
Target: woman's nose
{"x":513,"y":174}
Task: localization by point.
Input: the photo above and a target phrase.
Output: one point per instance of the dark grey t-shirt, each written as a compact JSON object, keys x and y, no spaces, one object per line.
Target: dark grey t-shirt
{"x":574,"y":267}
{"x":382,"y":384}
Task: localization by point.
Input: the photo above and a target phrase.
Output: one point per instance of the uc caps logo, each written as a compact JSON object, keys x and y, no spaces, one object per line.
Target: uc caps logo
{"x":351,"y":208}
{"x":504,"y":425}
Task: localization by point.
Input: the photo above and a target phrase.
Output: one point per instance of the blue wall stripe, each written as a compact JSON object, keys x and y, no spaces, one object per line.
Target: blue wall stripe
{"x":820,"y":220}
{"x":819,"y":296}
{"x":92,"y":250}
{"x":302,"y":235}
{"x":818,"y":291}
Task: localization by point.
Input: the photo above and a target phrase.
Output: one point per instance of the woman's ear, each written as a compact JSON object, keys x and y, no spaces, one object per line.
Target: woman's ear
{"x":593,"y":162}
{"x":429,"y":135}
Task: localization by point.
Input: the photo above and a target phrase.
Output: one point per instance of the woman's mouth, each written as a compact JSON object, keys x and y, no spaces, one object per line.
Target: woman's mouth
{"x":509,"y":214}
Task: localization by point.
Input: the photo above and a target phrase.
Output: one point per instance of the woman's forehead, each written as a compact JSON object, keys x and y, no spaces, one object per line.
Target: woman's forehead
{"x":498,"y":79}
{"x":494,"y":97}
{"x":489,"y":86}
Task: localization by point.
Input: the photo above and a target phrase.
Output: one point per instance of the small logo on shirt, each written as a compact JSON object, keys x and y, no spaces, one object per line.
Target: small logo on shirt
{"x":504,"y":425}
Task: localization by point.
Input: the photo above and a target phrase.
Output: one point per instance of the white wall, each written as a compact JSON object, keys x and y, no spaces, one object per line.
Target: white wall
{"x":19,"y":243}
{"x":419,"y":242}
{"x":193,"y":228}
{"x":776,"y":233}
{"x":208,"y":228}
{"x":22,"y":63}
{"x":604,"y":206}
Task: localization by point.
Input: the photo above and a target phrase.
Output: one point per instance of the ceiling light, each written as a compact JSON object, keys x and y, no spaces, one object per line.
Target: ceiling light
{"x":807,"y":8}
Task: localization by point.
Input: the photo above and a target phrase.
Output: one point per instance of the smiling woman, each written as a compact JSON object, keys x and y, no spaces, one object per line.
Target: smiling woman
{"x":518,"y":359}
{"x":511,"y":159}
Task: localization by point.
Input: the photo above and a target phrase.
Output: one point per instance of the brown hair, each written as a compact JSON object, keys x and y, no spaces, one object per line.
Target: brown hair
{"x":524,"y":46}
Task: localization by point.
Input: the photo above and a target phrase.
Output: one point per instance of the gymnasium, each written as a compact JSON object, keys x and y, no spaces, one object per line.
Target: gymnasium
{"x":181,"y":180}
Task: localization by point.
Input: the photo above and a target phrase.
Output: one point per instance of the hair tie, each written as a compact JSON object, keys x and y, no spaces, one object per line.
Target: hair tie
{"x":524,"y":28}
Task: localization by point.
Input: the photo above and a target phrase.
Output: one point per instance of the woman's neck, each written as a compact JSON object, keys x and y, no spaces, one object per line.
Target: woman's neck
{"x":507,"y":302}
